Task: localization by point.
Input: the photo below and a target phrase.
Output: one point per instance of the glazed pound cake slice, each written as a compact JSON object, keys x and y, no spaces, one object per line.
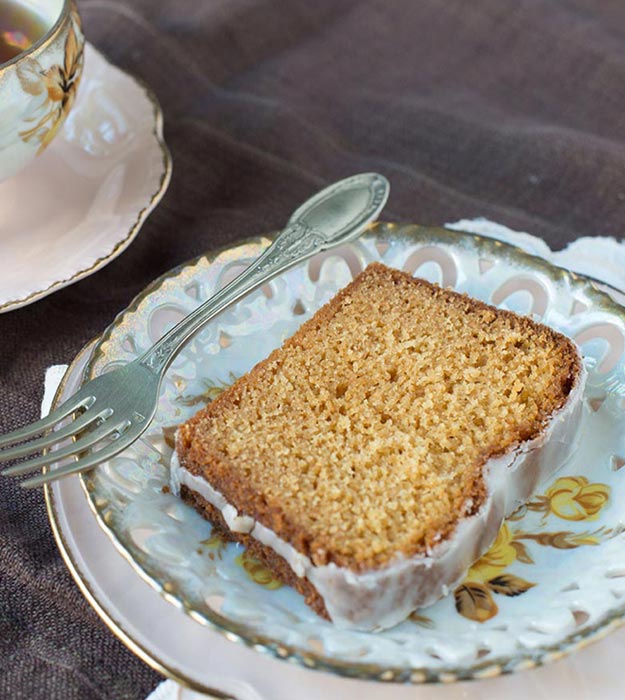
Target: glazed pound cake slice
{"x":370,"y":460}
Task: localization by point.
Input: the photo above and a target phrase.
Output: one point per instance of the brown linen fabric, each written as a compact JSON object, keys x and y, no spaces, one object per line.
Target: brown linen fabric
{"x":510,"y":110}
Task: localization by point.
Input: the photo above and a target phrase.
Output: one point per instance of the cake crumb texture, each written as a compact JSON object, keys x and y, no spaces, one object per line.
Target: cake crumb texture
{"x":365,"y":435}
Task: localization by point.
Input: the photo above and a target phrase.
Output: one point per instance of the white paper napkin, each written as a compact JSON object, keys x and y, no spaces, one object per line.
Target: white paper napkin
{"x":167,"y":690}
{"x":602,"y":258}
{"x":52,"y":380}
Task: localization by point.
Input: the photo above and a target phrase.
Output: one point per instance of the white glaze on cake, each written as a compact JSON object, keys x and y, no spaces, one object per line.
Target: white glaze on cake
{"x":381,"y":598}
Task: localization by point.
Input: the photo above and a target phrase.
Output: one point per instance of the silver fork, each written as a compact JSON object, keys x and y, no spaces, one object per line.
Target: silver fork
{"x":111,"y":411}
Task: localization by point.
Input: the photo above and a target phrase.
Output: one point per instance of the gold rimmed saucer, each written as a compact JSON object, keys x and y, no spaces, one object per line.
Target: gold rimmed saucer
{"x":84,"y":200}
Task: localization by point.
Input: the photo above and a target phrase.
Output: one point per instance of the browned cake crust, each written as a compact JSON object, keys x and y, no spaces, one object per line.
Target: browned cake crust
{"x":204,"y":441}
{"x":264,"y":554}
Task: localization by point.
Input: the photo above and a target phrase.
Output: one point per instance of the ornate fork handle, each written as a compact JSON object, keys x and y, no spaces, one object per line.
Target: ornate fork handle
{"x":334,"y":216}
{"x":116,"y":407}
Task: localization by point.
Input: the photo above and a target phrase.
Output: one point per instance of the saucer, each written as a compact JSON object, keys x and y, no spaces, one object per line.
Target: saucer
{"x":84,"y":200}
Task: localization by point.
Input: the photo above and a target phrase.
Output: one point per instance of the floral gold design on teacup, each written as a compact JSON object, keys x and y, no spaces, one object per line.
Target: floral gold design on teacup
{"x":53,"y":90}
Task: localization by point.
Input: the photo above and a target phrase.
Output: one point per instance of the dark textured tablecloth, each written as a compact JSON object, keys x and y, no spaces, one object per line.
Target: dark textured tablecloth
{"x":513,"y":110}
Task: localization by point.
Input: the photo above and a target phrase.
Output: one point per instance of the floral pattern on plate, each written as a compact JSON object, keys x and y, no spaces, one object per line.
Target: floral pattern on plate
{"x":569,"y":498}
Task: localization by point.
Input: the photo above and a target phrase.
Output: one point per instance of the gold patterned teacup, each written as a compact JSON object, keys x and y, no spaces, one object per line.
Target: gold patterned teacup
{"x":38,"y":86}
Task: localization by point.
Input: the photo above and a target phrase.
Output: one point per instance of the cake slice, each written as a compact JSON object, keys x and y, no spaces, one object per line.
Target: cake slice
{"x":373,"y":457}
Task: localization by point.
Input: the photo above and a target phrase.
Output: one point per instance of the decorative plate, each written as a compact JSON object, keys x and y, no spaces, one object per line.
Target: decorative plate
{"x":554,"y":578}
{"x":82,"y":202}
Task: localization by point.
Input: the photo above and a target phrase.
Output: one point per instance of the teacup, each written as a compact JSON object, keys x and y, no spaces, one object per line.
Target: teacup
{"x":38,"y":86}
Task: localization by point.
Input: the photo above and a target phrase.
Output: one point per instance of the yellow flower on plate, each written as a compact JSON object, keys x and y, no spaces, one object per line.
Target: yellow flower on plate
{"x":257,"y":572}
{"x":499,"y":556}
{"x":574,"y":498}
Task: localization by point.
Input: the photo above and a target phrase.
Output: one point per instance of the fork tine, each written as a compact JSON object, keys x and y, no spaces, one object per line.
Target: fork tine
{"x":55,"y":436}
{"x":91,"y":438}
{"x":79,"y":400}
{"x":119,"y":445}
